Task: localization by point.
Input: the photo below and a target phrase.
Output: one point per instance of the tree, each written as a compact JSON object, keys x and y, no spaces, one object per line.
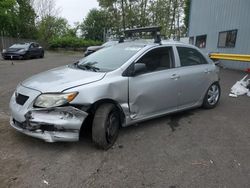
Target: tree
{"x":50,"y":27}
{"x":17,"y":18}
{"x":45,"y":8}
{"x":187,"y":5}
{"x":8,"y":16}
{"x":26,"y":20}
{"x":140,"y":13}
{"x":95,"y":23}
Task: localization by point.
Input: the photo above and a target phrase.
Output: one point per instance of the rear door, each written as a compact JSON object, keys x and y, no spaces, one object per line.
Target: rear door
{"x":194,"y":80}
{"x":154,"y":91}
{"x":35,"y":50}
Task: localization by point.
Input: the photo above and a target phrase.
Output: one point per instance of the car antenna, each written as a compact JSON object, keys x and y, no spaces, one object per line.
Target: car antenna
{"x":155,"y":30}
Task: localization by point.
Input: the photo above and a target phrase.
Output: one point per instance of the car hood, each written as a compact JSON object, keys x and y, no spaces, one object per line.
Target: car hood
{"x":61,"y":78}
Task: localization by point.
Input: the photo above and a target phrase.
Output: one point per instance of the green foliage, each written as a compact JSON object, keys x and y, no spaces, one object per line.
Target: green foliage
{"x":50,"y":27}
{"x":8,"y":16}
{"x":140,"y":13}
{"x":94,"y":24}
{"x":71,"y":42}
{"x":187,"y":13}
{"x":17,"y":18}
{"x":26,"y":20}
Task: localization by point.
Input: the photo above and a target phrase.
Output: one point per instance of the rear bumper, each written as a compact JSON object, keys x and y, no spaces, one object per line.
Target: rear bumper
{"x":52,"y":125}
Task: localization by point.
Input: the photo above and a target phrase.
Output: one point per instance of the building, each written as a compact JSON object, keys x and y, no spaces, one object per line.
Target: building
{"x":221,"y":26}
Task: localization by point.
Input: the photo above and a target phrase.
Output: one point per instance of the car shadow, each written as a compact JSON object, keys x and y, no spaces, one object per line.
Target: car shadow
{"x":172,"y":120}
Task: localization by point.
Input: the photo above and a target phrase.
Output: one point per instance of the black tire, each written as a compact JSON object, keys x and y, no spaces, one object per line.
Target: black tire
{"x":42,"y":55}
{"x":212,"y":96}
{"x":105,"y":127}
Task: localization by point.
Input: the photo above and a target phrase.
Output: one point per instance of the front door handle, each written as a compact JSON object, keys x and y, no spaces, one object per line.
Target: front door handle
{"x":175,"y":77}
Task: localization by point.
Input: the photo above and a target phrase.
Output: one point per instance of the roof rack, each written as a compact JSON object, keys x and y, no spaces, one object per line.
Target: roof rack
{"x":155,"y":30}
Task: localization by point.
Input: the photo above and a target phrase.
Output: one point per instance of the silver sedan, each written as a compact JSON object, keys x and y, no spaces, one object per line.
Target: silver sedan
{"x":112,"y":88}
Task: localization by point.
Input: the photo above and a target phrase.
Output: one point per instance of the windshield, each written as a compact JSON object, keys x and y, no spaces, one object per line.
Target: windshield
{"x":26,"y":45}
{"x":108,"y":59}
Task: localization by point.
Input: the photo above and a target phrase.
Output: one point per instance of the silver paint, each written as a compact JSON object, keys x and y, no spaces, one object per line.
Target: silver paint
{"x":139,"y":97}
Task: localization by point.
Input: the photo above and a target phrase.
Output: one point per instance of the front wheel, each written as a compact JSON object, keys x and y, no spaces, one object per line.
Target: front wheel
{"x":42,"y":55}
{"x":212,"y":96}
{"x":105,"y":127}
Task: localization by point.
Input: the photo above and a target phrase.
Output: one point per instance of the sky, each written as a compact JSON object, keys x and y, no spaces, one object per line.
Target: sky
{"x":75,"y":10}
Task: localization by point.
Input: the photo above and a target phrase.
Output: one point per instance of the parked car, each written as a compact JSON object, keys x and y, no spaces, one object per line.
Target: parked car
{"x":115,"y":87}
{"x":92,"y":49}
{"x":23,"y":51}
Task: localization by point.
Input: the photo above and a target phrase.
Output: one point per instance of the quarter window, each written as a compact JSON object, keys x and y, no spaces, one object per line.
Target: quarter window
{"x":190,"y":57}
{"x":157,"y":59}
{"x":227,"y":39}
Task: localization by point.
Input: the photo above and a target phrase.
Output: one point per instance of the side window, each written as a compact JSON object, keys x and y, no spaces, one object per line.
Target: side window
{"x":31,"y":46}
{"x":36,"y":45}
{"x":157,"y":59}
{"x":190,"y":57}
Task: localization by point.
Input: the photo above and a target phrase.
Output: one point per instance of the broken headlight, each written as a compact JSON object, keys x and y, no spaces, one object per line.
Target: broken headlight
{"x":49,"y":100}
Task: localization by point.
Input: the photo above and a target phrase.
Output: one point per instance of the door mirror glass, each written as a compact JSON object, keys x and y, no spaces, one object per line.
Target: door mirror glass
{"x":139,"y":68}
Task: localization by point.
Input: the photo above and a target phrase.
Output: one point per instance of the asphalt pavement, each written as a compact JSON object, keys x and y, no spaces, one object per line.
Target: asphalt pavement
{"x":195,"y":148}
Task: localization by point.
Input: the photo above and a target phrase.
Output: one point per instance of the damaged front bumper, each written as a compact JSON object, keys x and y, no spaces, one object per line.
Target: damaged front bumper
{"x":52,"y":124}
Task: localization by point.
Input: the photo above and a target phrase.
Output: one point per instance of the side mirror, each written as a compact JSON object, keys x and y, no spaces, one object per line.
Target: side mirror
{"x":135,"y":69}
{"x":139,"y":68}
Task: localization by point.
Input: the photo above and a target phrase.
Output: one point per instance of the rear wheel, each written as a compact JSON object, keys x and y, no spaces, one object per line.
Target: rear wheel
{"x":105,"y":126}
{"x":212,"y":96}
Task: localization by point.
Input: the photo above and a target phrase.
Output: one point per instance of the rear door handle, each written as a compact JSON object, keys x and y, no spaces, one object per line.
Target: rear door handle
{"x":175,"y":77}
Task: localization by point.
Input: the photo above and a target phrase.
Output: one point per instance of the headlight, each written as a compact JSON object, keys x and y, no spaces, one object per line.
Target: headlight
{"x":49,"y":100}
{"x":3,"y":51}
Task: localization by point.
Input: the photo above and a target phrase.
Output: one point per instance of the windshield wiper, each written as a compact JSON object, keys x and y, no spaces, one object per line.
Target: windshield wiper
{"x":88,"y":66}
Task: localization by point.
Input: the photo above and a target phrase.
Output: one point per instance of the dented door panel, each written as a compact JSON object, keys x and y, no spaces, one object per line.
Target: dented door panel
{"x":152,"y":93}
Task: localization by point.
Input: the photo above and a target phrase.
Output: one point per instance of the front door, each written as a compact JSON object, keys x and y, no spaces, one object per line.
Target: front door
{"x":154,"y":91}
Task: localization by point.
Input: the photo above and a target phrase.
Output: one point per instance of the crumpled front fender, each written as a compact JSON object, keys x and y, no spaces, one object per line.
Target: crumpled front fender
{"x":62,"y":118}
{"x":53,"y":124}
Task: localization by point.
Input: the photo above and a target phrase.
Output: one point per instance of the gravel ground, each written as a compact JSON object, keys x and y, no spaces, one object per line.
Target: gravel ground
{"x":196,"y":148}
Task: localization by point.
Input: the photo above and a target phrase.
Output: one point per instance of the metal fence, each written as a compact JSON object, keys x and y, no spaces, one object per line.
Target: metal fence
{"x":8,"y":41}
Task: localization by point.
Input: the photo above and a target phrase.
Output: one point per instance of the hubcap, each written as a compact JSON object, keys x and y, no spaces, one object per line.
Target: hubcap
{"x":112,"y":126}
{"x":213,"y":94}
